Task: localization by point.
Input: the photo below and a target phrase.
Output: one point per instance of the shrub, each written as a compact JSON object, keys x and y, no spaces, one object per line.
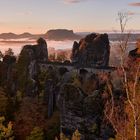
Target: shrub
{"x":6,"y":132}
{"x":36,"y":134}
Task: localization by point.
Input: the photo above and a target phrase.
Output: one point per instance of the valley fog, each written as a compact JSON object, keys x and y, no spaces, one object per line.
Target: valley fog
{"x":16,"y":45}
{"x":57,"y":46}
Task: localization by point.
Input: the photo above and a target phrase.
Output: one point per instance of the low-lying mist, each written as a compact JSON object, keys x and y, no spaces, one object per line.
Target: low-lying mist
{"x":55,"y":46}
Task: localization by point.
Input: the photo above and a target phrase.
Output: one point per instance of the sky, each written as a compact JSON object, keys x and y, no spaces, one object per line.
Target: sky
{"x":38,"y":16}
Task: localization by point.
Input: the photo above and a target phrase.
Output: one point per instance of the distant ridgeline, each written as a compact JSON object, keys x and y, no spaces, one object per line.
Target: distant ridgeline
{"x":64,"y":34}
{"x":56,"y":34}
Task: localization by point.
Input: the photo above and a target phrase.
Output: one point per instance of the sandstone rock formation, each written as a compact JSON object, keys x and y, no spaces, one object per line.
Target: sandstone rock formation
{"x":28,"y":64}
{"x":37,"y":52}
{"x":8,"y":78}
{"x":71,"y":107}
{"x":83,"y":112}
{"x":93,"y":50}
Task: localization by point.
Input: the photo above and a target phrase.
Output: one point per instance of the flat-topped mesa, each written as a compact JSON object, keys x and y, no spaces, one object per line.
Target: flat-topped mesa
{"x":61,"y":35}
{"x":93,"y":50}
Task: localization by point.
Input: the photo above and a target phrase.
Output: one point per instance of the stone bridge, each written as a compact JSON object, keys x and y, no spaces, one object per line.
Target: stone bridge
{"x":72,"y":67}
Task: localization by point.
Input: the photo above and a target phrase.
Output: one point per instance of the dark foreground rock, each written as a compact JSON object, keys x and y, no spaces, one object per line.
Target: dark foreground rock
{"x":28,"y":66}
{"x":8,"y":78}
{"x":83,"y":112}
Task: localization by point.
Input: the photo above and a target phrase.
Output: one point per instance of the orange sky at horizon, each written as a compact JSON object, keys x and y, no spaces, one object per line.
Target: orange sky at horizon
{"x":37,"y":17}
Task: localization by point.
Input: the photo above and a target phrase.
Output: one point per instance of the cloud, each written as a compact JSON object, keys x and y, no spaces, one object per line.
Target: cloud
{"x":73,"y":1}
{"x":134,"y":4}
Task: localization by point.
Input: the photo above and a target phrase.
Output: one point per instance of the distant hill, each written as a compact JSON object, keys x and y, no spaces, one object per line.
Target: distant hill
{"x":10,"y":35}
{"x":25,"y":35}
{"x":62,"y":34}
{"x":57,"y":35}
{"x":15,"y":36}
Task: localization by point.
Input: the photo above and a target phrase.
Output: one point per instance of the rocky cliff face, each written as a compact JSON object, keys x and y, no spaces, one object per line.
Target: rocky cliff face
{"x":38,"y":52}
{"x":83,"y":112}
{"x":93,"y":50}
{"x":81,"y":104}
{"x":8,"y":78}
{"x":28,"y":64}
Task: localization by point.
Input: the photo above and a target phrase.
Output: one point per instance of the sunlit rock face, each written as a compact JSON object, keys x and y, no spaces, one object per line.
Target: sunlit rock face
{"x":138,"y":43}
{"x":93,"y":50}
{"x":135,"y":54}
